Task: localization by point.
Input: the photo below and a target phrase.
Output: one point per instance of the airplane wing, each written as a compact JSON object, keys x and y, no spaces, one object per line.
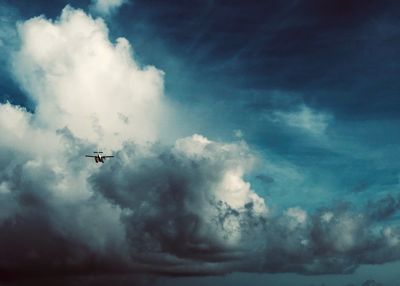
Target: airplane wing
{"x":90,"y":156}
{"x":107,"y":156}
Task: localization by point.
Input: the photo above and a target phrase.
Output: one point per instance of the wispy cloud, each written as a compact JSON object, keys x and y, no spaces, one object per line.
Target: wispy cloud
{"x":107,"y":7}
{"x":305,"y":119}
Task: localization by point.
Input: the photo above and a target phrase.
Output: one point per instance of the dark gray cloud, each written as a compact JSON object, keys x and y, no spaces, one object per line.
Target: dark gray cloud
{"x":333,"y":240}
{"x":177,"y":209}
{"x":86,"y":280}
{"x":159,"y":210}
{"x":383,"y":208}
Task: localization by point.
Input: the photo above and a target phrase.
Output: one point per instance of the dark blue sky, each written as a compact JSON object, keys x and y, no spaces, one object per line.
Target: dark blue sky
{"x":311,"y":85}
{"x":336,"y":55}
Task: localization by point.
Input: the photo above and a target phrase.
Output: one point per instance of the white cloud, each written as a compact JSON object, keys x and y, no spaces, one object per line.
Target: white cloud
{"x":238,"y":133}
{"x":80,"y":80}
{"x":305,"y":118}
{"x":236,"y":161}
{"x":327,"y":217}
{"x":105,"y":7}
{"x":297,"y":214}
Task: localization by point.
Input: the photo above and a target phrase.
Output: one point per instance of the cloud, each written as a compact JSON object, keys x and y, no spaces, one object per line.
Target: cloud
{"x":7,"y":29}
{"x":383,"y":208}
{"x":238,"y":133}
{"x":106,"y":7}
{"x":89,"y":90}
{"x":332,"y":240}
{"x":77,"y":77}
{"x":371,"y":282}
{"x":189,"y":201}
{"x":179,"y":209}
{"x":305,"y":119}
{"x":8,"y":42}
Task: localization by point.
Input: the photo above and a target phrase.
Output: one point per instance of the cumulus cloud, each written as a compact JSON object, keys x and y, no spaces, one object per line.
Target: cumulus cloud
{"x":179,"y":209}
{"x":88,"y":90}
{"x":77,"y":77}
{"x":332,"y":240}
{"x":106,"y":7}
{"x":189,"y":201}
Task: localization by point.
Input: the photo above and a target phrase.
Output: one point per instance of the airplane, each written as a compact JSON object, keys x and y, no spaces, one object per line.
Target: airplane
{"x":98,"y":157}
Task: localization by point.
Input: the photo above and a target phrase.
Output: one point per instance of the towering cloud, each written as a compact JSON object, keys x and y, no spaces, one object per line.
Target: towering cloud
{"x":151,"y":209}
{"x":79,"y":79}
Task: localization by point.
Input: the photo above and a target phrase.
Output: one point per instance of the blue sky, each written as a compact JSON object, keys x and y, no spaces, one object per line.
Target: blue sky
{"x":309,"y":87}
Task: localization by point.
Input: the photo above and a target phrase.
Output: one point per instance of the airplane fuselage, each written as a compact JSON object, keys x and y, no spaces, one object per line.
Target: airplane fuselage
{"x":98,"y":158}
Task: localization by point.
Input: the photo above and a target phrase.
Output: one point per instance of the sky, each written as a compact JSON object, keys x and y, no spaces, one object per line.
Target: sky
{"x":254,"y":142}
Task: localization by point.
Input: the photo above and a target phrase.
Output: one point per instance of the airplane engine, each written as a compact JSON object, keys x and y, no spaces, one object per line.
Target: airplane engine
{"x":98,"y":158}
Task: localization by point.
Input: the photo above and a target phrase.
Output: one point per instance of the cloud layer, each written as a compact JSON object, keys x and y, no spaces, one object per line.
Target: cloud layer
{"x":177,"y":210}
